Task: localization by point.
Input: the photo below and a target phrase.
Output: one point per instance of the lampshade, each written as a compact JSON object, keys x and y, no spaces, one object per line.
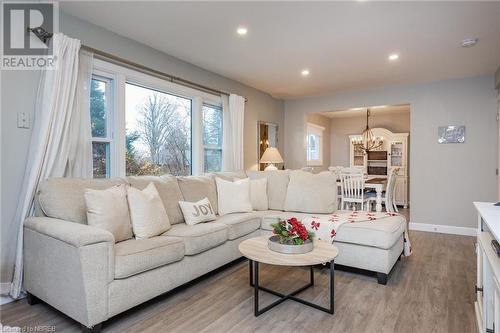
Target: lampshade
{"x":271,"y":155}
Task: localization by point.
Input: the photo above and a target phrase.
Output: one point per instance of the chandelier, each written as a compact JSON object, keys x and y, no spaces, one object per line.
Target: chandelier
{"x":370,"y":142}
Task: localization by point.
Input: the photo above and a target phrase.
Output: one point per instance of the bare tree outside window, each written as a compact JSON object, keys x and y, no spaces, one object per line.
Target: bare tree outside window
{"x":158,"y":132}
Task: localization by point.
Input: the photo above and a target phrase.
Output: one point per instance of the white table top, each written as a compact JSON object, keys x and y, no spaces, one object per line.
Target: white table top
{"x":256,"y":249}
{"x":491,"y":217}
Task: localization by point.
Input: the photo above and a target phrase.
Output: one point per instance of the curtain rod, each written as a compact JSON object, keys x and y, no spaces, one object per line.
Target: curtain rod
{"x":44,"y":35}
{"x":147,"y":70}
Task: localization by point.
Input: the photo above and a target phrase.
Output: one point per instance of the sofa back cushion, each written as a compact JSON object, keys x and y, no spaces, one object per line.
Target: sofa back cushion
{"x":63,"y":198}
{"x":311,"y":193}
{"x":195,"y":188}
{"x":277,"y":183}
{"x":229,"y":175}
{"x":169,"y":191}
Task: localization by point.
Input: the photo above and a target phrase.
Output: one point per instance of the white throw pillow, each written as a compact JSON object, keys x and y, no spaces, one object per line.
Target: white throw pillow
{"x":197,"y":212}
{"x":311,"y":193}
{"x":147,"y":212}
{"x":233,"y":197}
{"x":258,"y":194}
{"x":108,"y":210}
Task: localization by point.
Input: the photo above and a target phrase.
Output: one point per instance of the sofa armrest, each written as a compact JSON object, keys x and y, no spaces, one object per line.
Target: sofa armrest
{"x":69,"y":266}
{"x":75,"y":234}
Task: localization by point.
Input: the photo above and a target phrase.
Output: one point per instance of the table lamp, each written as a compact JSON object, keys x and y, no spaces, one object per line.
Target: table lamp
{"x":271,"y":155}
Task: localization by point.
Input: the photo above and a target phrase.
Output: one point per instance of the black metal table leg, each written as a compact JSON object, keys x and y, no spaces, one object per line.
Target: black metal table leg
{"x":312,"y":276}
{"x":250,"y":266}
{"x":332,"y":286}
{"x":256,"y":288}
{"x":283,"y":297}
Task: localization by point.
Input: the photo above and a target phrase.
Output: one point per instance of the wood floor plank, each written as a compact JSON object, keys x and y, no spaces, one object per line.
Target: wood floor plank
{"x":431,"y":291}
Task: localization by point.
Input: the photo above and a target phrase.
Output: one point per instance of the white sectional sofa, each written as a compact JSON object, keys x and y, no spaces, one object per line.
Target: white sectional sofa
{"x":81,"y":271}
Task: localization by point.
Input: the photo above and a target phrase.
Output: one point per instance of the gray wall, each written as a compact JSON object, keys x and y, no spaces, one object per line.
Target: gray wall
{"x":341,"y":128}
{"x":445,"y":179}
{"x":497,"y":79}
{"x":321,"y":120}
{"x":19,"y":91}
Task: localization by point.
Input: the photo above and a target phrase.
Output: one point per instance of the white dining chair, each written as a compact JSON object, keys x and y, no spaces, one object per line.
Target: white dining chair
{"x":388,"y":197}
{"x":353,"y":189}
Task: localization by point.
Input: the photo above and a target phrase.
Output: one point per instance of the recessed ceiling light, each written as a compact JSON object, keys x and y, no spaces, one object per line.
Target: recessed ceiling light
{"x":242,"y":31}
{"x":393,"y":57}
{"x":305,"y":72}
{"x":469,"y":42}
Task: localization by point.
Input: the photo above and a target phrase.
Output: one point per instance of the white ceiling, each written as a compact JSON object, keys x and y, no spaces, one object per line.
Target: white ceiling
{"x":374,"y":110}
{"x":344,"y":44}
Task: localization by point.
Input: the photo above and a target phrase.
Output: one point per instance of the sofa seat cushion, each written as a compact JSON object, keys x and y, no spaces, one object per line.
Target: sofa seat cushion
{"x":199,"y":237}
{"x":240,"y":224}
{"x":380,"y":233}
{"x":135,"y":256}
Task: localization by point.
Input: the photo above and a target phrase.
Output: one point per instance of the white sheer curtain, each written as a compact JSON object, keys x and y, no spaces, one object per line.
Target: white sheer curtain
{"x":233,"y":108}
{"x":61,"y":139}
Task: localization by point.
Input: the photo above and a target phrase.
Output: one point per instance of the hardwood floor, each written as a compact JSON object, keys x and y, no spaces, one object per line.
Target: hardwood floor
{"x":431,"y":291}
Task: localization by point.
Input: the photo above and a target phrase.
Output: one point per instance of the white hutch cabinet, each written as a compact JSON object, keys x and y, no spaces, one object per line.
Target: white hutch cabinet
{"x":487,"y":303}
{"x":393,"y":153}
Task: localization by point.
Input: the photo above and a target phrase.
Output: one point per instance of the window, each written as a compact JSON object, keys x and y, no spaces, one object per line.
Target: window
{"x":212,"y":138}
{"x":157,"y":132}
{"x":100,"y":108}
{"x":144,"y":125}
{"x":314,"y":144}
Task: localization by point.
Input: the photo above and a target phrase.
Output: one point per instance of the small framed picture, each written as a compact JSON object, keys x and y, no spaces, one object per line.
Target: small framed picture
{"x":451,"y":134}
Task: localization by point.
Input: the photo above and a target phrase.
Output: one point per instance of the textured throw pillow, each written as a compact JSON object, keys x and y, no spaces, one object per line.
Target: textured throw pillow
{"x":197,"y":212}
{"x":108,"y":210}
{"x":277,"y":183}
{"x":258,"y":194}
{"x":169,"y":191}
{"x":147,"y":212}
{"x":233,"y":197}
{"x":311,"y":193}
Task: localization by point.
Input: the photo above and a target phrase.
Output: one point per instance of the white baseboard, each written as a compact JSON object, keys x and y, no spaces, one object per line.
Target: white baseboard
{"x":5,"y":300}
{"x":4,"y":288}
{"x":4,"y":293}
{"x":443,"y":229}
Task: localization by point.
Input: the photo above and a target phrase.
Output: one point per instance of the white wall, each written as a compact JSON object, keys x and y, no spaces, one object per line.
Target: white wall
{"x":341,"y":128}
{"x":19,"y":91}
{"x":445,"y":179}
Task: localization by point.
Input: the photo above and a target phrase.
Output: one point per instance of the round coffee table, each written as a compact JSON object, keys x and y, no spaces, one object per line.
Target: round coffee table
{"x":256,"y":250}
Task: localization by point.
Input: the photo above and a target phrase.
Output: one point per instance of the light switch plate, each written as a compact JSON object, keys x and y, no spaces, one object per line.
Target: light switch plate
{"x":23,"y":120}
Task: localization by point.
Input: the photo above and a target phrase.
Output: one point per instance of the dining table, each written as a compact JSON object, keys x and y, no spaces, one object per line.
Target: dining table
{"x":374,"y":183}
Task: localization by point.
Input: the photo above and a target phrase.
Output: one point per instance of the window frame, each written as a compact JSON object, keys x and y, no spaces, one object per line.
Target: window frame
{"x":212,"y":147}
{"x":109,"y":94}
{"x":316,"y":130}
{"x":120,"y":76}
